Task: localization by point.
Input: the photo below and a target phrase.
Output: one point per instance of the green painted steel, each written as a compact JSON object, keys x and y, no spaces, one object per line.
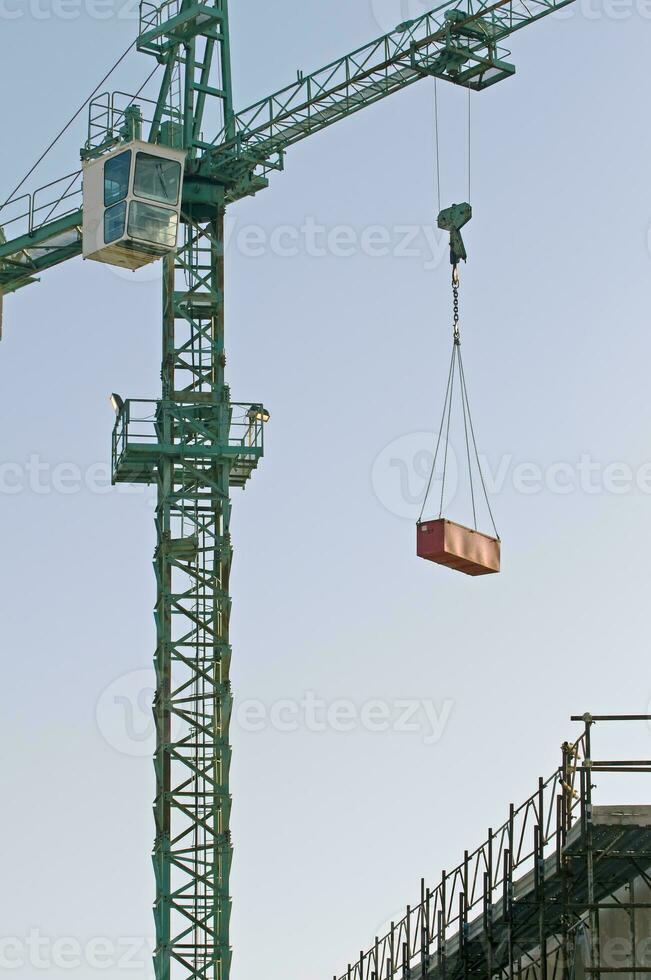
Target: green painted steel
{"x":193,"y":465}
{"x":193,"y":443}
{"x":538,"y":897}
{"x":453,"y":219}
{"x":25,"y":257}
{"x":459,"y":44}
{"x":202,"y":445}
{"x":192,"y":853}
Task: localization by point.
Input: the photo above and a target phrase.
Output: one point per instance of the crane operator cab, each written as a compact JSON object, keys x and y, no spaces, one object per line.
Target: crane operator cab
{"x":132,"y":204}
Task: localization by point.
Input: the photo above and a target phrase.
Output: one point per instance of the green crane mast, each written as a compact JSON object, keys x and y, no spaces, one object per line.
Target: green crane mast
{"x":194,"y":443}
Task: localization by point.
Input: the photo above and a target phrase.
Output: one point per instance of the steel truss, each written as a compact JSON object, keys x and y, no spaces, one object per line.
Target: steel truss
{"x":195,"y":446}
{"x":194,"y":461}
{"x":458,"y":43}
{"x":192,"y":855}
{"x":535,"y":899}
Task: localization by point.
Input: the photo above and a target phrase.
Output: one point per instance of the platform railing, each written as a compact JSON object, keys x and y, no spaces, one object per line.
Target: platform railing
{"x":154,"y":15}
{"x":107,"y":117}
{"x":533,"y":832}
{"x":29,"y":212}
{"x":138,"y":424}
{"x":368,"y":68}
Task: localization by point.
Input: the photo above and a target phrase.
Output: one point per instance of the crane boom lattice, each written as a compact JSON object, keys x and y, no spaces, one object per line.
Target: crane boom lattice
{"x":193,"y":443}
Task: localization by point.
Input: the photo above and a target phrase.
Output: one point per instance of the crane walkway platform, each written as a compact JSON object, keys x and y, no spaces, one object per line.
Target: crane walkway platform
{"x":139,"y":442}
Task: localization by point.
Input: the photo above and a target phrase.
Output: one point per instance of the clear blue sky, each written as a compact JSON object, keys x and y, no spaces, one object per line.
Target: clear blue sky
{"x":333,"y":829}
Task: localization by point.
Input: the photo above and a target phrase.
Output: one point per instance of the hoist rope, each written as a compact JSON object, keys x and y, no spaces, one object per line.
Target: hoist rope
{"x":144,"y":84}
{"x":447,"y":438}
{"x":66,"y":127}
{"x":69,"y":186}
{"x":456,"y":366}
{"x":474,"y":443}
{"x":437,"y":144}
{"x":469,"y":143}
{"x":436,"y":131}
{"x":464,"y":399}
{"x":438,"y":441}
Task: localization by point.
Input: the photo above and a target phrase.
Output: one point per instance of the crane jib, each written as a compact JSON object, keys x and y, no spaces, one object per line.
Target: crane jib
{"x":170,"y":190}
{"x":434,"y":44}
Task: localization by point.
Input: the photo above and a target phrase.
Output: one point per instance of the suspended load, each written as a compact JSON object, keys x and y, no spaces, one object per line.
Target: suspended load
{"x":132,"y":203}
{"x":458,"y":547}
{"x":465,"y":549}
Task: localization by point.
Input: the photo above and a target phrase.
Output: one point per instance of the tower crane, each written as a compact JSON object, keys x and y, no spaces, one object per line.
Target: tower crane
{"x":163,"y":195}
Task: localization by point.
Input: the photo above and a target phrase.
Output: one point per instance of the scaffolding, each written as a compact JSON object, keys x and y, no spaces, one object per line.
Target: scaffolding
{"x":561,"y":891}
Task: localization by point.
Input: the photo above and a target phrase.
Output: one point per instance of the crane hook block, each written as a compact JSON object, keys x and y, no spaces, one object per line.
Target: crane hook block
{"x":453,"y":219}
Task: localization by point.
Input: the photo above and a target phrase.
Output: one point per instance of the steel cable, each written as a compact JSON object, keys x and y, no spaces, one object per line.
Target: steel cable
{"x":66,"y":127}
{"x":474,"y":442}
{"x":438,"y":442}
{"x":456,"y":363}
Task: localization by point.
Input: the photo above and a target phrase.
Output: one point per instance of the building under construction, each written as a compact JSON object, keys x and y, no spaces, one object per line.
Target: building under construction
{"x":561,"y":891}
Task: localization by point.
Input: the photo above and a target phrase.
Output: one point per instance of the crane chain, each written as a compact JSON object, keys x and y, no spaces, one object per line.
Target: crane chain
{"x":455,"y":305}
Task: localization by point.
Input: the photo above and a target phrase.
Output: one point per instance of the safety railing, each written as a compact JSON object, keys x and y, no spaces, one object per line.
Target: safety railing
{"x":169,"y":21}
{"x":533,"y":830}
{"x":154,"y":15}
{"x":140,"y":423}
{"x":29,"y":212}
{"x":376,"y":69}
{"x":107,"y":117}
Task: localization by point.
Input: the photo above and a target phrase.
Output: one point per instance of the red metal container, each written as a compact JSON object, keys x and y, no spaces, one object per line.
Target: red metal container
{"x":458,"y":547}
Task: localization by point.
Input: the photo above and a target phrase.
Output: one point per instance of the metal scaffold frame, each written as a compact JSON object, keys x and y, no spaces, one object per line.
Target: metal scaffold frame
{"x":515,"y":906}
{"x":193,"y":460}
{"x":192,"y":854}
{"x":194,"y":444}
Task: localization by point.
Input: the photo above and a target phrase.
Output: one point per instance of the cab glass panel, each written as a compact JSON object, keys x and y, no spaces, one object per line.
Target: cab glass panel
{"x":114,"y":219}
{"x":157,"y":179}
{"x":116,"y":178}
{"x":152,"y":224}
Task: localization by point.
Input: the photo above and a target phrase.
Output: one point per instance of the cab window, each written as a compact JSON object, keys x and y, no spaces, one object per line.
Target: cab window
{"x":114,"y":219}
{"x":157,"y":179}
{"x":152,"y":224}
{"x":116,"y":178}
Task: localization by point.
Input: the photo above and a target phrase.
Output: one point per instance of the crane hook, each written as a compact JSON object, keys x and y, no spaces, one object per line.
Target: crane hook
{"x":452,"y":220}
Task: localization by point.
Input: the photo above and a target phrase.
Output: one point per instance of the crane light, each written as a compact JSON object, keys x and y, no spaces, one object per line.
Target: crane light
{"x":258,"y":413}
{"x":117,"y":403}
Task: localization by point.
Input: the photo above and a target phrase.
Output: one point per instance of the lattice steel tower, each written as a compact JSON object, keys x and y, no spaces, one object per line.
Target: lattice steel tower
{"x":193,"y":443}
{"x":194,"y":422}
